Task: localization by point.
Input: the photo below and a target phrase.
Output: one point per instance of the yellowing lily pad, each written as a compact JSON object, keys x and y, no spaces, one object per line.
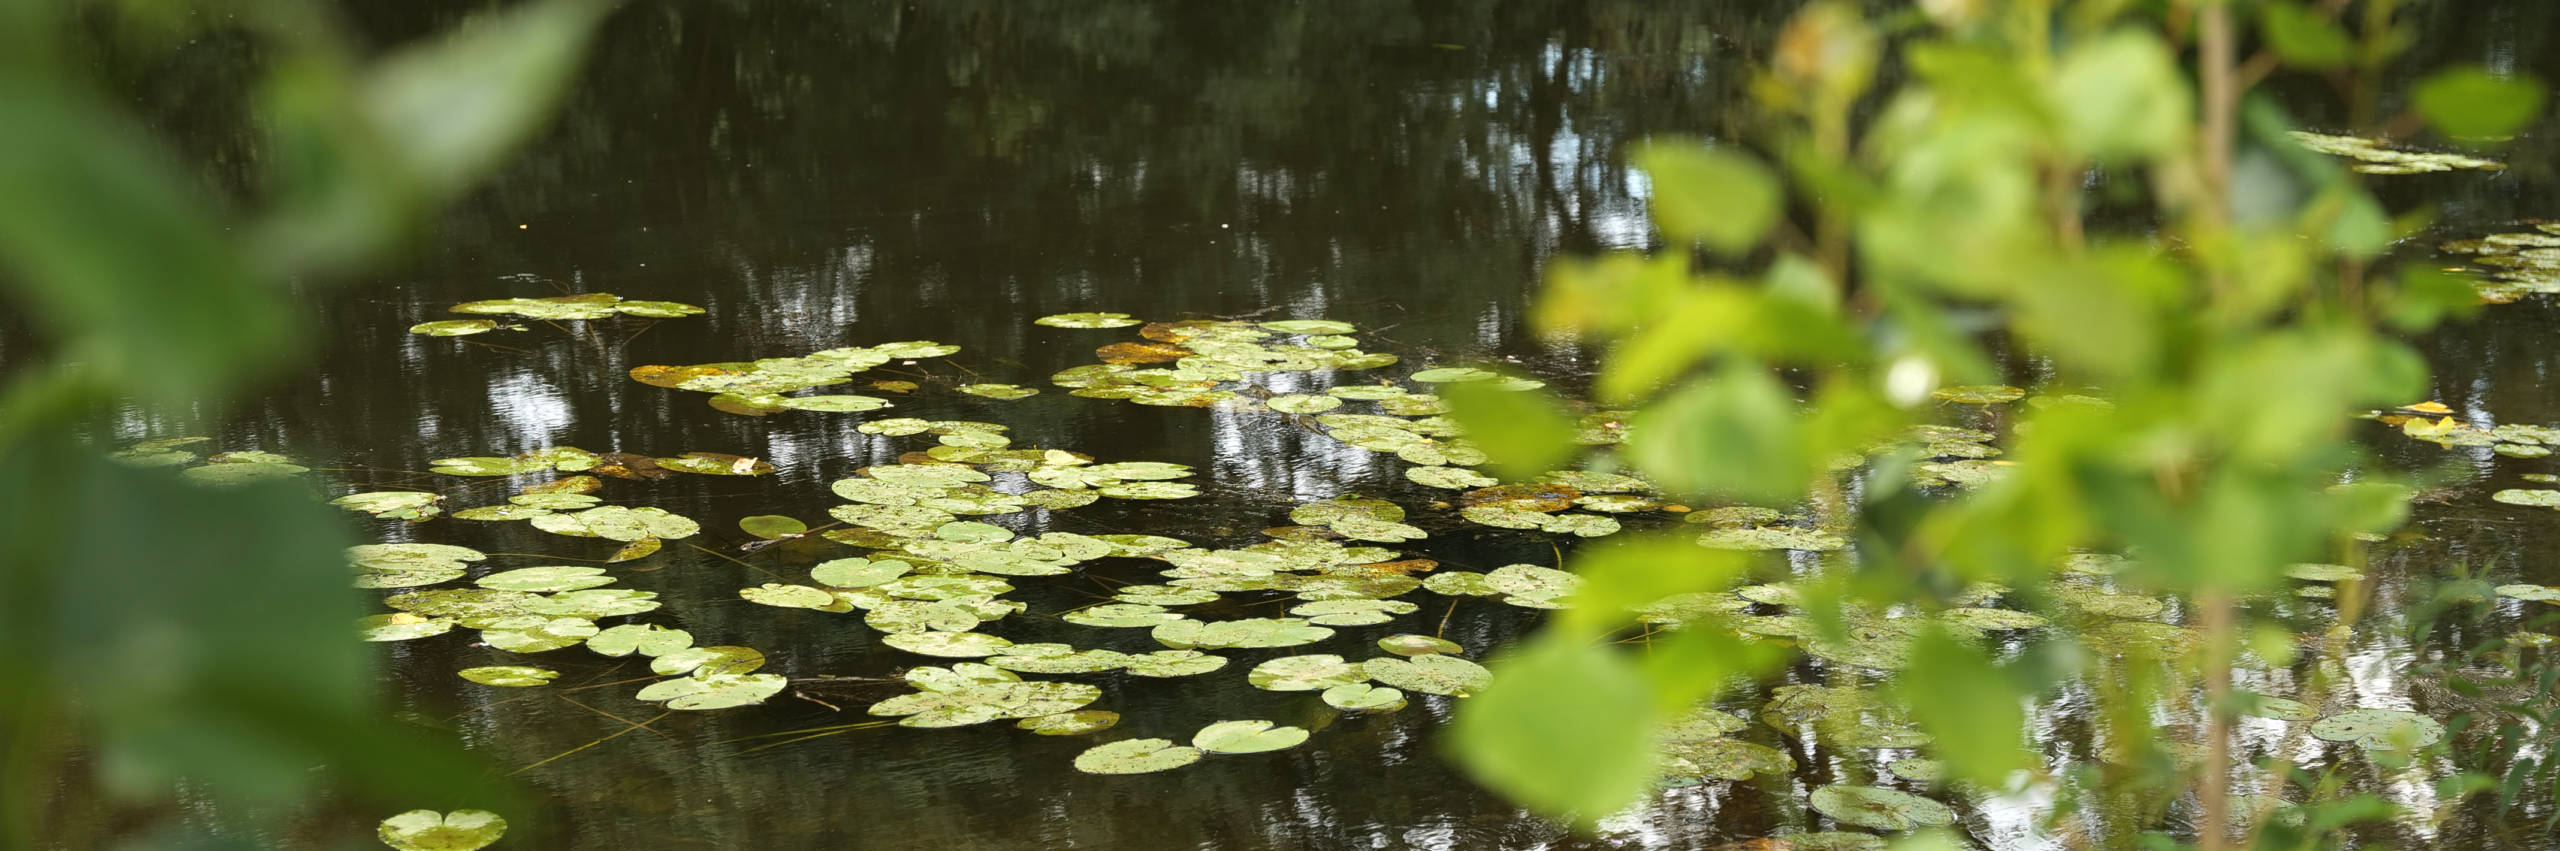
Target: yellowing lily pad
{"x":428,"y":830}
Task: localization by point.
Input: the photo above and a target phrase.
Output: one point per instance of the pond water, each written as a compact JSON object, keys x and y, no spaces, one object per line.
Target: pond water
{"x":857,"y":173}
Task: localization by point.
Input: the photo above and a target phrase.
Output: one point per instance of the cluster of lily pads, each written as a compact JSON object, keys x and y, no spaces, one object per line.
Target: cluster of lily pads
{"x":759,"y":388}
{"x":2508,"y":266}
{"x":556,"y":308}
{"x":221,"y":469}
{"x":933,"y":573}
{"x":2374,"y":157}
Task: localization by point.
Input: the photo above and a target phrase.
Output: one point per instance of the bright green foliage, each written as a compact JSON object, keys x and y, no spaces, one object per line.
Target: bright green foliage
{"x":2473,"y":102}
{"x":1971,"y":706}
{"x":1565,"y":728}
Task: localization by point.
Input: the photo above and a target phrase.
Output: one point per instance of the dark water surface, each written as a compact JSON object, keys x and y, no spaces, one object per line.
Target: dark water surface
{"x":841,"y":174}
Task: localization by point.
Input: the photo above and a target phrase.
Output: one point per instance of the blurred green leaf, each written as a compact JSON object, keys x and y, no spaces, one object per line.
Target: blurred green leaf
{"x":1723,"y":198}
{"x":2303,"y":37}
{"x":451,"y":108}
{"x":2121,"y":96}
{"x":1973,"y":708}
{"x":1565,"y":729}
{"x":1523,"y":432}
{"x":1733,"y":433}
{"x":2471,"y":102}
{"x":178,"y":322}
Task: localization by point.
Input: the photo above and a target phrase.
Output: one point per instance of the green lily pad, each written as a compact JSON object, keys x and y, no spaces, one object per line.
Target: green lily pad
{"x":2528,"y":497}
{"x":1114,"y":615}
{"x":1149,"y":490}
{"x":715,"y":659}
{"x":950,"y":645}
{"x":1363,"y":697}
{"x":428,"y":830}
{"x":1451,"y":478}
{"x":395,"y":505}
{"x":1238,"y":737}
{"x":1086,"y":320}
{"x":2380,"y":729}
{"x":1164,"y":595}
{"x":1993,"y":619}
{"x":1771,"y":538}
{"x":242,"y":473}
{"x":1246,"y":633}
{"x":1309,"y":326}
{"x":401,"y":626}
{"x":1442,"y":675}
{"x":657,"y":309}
{"x":788,"y":596}
{"x":547,"y":579}
{"x":454,"y":327}
{"x":1302,"y":403}
{"x":512,"y":676}
{"x":1365,"y":392}
{"x":2323,"y":572}
{"x":537,"y":634}
{"x":858,"y":572}
{"x":998,"y":391}
{"x":1722,"y":759}
{"x":645,"y":639}
{"x":1174,"y":663}
{"x":1075,"y":723}
{"x":487,"y":466}
{"x":555,"y":501}
{"x":1068,"y":662}
{"x":500,"y":513}
{"x":594,"y":603}
{"x":837,"y":404}
{"x":1460,"y":583}
{"x":2538,"y":593}
{"x":1304,"y":673}
{"x":1918,"y":769}
{"x":1831,"y":841}
{"x":707,"y":691}
{"x":1135,"y":756}
{"x":1882,"y":809}
{"x":1417,"y":645}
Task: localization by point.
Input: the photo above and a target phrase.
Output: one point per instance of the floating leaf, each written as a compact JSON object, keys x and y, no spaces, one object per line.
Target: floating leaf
{"x":1980,"y":394}
{"x":2280,"y":709}
{"x":707,"y":691}
{"x":547,"y":579}
{"x":1442,"y":675}
{"x":998,"y":391}
{"x":2530,"y":497}
{"x":1882,"y":809}
{"x":772,"y":526}
{"x":858,"y":572}
{"x":2380,"y":729}
{"x":396,"y":505}
{"x":2323,"y":572}
{"x":1086,"y":320}
{"x":401,"y":626}
{"x":1722,"y":759}
{"x":716,"y":659}
{"x":1174,"y":663}
{"x":1363,"y":697}
{"x":1450,"y":374}
{"x":428,"y":830}
{"x":2540,"y":593}
{"x":536,"y":633}
{"x":1238,"y":737}
{"x":1452,"y":478}
{"x":716,"y":464}
{"x":1417,"y":645}
{"x":1304,"y":673}
{"x":454,"y":327}
{"x":1300,"y":403}
{"x":646,"y":639}
{"x":1075,"y":723}
{"x":788,"y":596}
{"x":511,"y":676}
{"x":953,"y":645}
{"x":1135,"y":756}
{"x":1309,"y":326}
{"x":841,"y":404}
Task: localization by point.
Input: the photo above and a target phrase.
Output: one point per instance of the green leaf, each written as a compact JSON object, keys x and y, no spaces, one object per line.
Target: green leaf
{"x":1733,"y":433}
{"x":1523,"y":433}
{"x":1565,"y":729}
{"x":1969,"y":704}
{"x":2303,"y":37}
{"x":449,"y":109}
{"x":2121,"y":97}
{"x":1232,"y":737}
{"x":2471,"y":102}
{"x":1718,"y":196}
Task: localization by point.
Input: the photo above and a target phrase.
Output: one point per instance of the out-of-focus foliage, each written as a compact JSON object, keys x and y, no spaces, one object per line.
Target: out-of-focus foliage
{"x":155,"y":630}
{"x":2082,"y":194}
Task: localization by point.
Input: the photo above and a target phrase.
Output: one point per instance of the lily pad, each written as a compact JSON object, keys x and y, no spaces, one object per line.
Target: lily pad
{"x":1086,"y":320}
{"x":537,"y":634}
{"x":1074,"y":723}
{"x":2528,"y":497}
{"x":1454,"y":374}
{"x":2538,"y":593}
{"x":394,"y":505}
{"x":1879,"y":808}
{"x":1305,"y":673}
{"x":837,"y":404}
{"x":649,"y":640}
{"x":707,"y":691}
{"x":2380,"y":729}
{"x":1135,"y":756}
{"x":715,"y":659}
{"x":998,"y":391}
{"x":1174,"y":663}
{"x":401,"y":626}
{"x":1442,"y":675}
{"x":788,"y":596}
{"x":1452,"y":478}
{"x":1309,"y":326}
{"x":1238,"y":737}
{"x":1417,"y":645}
{"x":1363,"y":697}
{"x":428,"y":830}
{"x":1980,"y":394}
{"x":512,"y":676}
{"x":1301,"y":403}
{"x":547,"y":579}
{"x":454,"y":327}
{"x":950,"y":645}
{"x":2323,"y":572}
{"x":2280,"y":709}
{"x":1722,"y":759}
